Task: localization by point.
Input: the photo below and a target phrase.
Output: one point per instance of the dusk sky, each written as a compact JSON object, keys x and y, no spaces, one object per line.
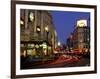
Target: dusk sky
{"x":64,"y":22}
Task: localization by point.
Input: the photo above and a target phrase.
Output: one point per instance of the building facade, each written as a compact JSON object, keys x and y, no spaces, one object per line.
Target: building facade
{"x":80,"y":41}
{"x":70,"y":42}
{"x":37,"y":33}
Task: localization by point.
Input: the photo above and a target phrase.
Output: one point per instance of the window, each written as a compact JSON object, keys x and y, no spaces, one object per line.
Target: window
{"x":31,"y":16}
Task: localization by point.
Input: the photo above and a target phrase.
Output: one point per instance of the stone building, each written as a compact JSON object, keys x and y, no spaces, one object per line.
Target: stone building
{"x":80,"y":41}
{"x":37,"y":33}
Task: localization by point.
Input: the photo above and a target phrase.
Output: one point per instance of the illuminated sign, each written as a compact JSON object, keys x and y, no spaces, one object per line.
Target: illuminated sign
{"x":82,"y":23}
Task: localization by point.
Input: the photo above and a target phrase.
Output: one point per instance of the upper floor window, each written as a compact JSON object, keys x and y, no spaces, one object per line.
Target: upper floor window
{"x":31,"y":16}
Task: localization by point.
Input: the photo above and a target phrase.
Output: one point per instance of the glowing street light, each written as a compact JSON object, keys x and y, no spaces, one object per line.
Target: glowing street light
{"x":59,"y":43}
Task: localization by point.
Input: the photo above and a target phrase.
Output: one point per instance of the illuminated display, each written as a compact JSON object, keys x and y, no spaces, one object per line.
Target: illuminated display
{"x":81,"y":23}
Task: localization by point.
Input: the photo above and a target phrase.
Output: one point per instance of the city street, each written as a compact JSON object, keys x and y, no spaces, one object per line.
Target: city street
{"x":48,"y":41}
{"x":62,"y":61}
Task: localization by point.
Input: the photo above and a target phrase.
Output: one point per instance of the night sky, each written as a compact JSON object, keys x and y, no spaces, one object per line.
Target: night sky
{"x":64,"y":22}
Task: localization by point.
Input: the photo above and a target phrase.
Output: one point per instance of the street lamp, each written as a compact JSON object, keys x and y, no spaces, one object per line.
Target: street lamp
{"x":59,"y":44}
{"x":47,"y":31}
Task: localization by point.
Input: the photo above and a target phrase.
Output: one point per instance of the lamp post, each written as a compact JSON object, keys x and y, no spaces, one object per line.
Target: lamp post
{"x":47,"y":31}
